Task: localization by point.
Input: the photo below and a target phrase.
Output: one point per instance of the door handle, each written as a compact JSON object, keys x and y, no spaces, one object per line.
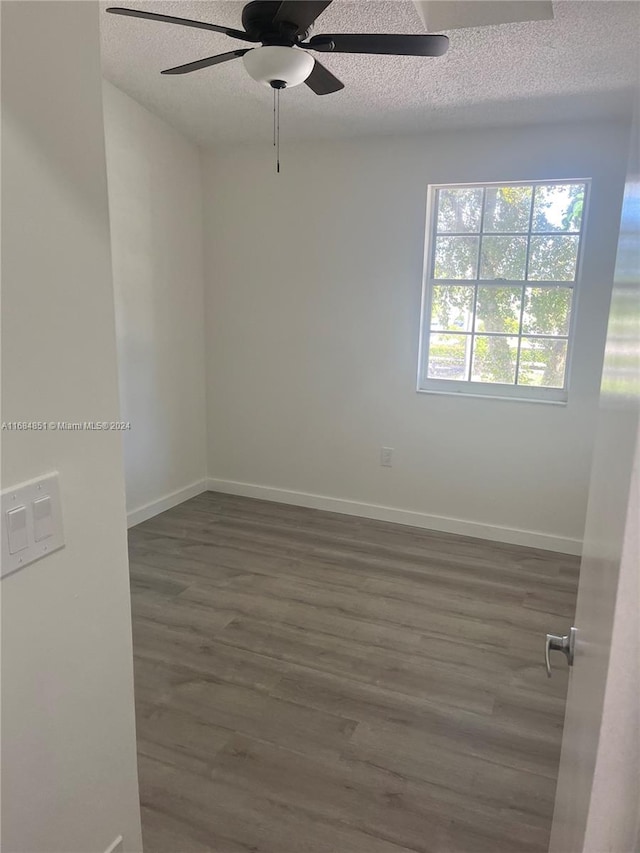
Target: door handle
{"x":565,"y":644}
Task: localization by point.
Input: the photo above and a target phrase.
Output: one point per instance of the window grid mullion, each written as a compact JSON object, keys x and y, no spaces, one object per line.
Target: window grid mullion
{"x":459,"y":332}
{"x":520,"y":335}
{"x":473,"y":330}
{"x":524,"y":287}
{"x":480,"y":233}
{"x":475,"y":289}
{"x":526,"y":264}
{"x":508,"y":233}
{"x":434,"y":236}
{"x":501,"y":282}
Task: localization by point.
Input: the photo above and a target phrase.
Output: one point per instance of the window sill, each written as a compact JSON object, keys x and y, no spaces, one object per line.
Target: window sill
{"x":504,"y":397}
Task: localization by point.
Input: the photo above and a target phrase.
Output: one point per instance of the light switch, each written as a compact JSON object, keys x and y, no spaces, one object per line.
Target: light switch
{"x":32,"y":528}
{"x":42,"y":519}
{"x":17,"y":529}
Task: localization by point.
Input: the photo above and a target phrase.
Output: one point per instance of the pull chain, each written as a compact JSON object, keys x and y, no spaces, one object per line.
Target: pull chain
{"x":277,"y":91}
{"x":276,"y":85}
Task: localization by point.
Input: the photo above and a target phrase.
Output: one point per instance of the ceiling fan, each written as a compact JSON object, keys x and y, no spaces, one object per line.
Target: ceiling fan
{"x":281,"y":27}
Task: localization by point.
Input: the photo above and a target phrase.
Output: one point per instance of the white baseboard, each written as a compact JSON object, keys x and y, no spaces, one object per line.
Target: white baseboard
{"x":142,"y":513}
{"x":495,"y":533}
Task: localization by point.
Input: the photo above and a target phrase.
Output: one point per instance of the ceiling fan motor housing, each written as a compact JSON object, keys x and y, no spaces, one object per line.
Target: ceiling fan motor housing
{"x":258,"y":19}
{"x":276,"y":64}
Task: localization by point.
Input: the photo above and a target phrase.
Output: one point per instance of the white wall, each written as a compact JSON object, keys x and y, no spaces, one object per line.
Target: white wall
{"x":314,"y":282}
{"x":69,"y":778}
{"x":155,"y":202}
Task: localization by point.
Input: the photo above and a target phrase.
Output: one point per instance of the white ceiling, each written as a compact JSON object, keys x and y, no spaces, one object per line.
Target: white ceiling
{"x":582,"y":64}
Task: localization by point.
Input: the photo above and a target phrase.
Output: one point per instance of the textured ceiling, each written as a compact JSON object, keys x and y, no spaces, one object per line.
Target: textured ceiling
{"x":582,"y":64}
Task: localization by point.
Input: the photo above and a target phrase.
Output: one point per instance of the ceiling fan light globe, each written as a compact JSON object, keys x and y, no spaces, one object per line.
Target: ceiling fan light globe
{"x":291,"y":65}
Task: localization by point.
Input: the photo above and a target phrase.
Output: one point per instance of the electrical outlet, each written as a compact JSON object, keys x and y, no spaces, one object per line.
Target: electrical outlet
{"x":386,"y":455}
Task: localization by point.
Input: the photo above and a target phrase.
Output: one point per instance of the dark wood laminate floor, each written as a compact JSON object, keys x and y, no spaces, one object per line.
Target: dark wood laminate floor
{"x":308,"y":682}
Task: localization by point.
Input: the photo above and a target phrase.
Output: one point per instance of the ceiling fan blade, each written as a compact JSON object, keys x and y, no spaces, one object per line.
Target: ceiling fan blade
{"x":205,"y":63}
{"x":302,"y":13}
{"x":322,"y":81}
{"x":396,"y":45}
{"x":185,"y":22}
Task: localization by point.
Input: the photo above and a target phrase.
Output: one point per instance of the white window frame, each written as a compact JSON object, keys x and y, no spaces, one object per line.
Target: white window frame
{"x":495,"y":390}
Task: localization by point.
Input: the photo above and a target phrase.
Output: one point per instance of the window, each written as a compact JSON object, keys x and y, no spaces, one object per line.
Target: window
{"x":502,"y":267}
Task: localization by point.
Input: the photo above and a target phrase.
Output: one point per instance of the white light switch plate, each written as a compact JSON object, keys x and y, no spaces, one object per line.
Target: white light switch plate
{"x":50,"y":529}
